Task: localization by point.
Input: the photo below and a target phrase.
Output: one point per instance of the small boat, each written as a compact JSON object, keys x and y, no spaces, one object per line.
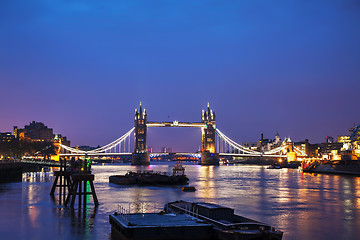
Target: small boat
{"x":226,"y":224}
{"x":150,"y":177}
{"x":188,"y":189}
{"x":274,"y":166}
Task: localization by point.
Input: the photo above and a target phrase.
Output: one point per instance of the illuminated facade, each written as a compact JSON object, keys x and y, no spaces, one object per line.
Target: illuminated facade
{"x":6,"y":137}
{"x":208,"y":132}
{"x":355,"y":141}
{"x":59,"y":138}
{"x":268,"y":144}
{"x":38,"y":132}
{"x":35,"y":131}
{"x":291,"y":155}
{"x":208,"y":153}
{"x":346,"y":142}
{"x":343,"y":139}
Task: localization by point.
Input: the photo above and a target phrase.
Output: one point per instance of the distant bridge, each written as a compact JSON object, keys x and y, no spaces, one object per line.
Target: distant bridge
{"x":214,"y":142}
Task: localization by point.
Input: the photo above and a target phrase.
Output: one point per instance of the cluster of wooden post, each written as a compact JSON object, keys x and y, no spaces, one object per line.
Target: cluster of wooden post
{"x":72,"y":181}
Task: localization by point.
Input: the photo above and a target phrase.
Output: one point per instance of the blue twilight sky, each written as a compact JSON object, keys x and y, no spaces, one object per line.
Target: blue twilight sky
{"x":82,"y":67}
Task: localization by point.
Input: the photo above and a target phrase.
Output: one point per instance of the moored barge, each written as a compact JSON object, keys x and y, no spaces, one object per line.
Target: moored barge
{"x":158,"y":226}
{"x":150,"y":177}
{"x":343,"y":167}
{"x":189,"y":221}
{"x":226,"y":224}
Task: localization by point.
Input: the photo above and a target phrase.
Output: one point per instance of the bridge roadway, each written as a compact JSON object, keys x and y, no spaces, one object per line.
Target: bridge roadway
{"x":175,"y":124}
{"x":180,"y":153}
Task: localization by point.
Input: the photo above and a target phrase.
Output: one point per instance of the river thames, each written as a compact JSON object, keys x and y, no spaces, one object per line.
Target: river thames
{"x":302,"y":205}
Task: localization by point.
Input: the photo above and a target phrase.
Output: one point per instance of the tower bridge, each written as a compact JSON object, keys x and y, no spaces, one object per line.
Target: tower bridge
{"x":208,"y":155}
{"x":210,"y":137}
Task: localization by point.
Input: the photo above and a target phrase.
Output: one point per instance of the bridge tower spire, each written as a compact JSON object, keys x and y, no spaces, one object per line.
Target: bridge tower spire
{"x":140,"y":155}
{"x":208,"y":152}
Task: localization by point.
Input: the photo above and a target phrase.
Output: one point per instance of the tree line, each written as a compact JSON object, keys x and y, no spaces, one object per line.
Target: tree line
{"x":17,"y":148}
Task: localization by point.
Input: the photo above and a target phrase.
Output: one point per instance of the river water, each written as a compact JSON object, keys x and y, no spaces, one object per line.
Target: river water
{"x":302,"y":205}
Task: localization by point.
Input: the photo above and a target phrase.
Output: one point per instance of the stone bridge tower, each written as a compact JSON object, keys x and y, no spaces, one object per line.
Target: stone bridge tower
{"x":140,"y":156}
{"x":208,"y":154}
{"x":290,"y":153}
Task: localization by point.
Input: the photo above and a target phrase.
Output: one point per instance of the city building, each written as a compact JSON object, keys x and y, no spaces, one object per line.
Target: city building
{"x":38,"y":132}
{"x":355,"y":141}
{"x":345,"y":140}
{"x":250,"y":145}
{"x":265,"y":144}
{"x":6,"y":137}
{"x":329,"y":139}
{"x":35,"y":131}
{"x":59,"y":138}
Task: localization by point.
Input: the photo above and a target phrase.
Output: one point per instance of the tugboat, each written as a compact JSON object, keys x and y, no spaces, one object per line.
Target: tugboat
{"x":150,"y":177}
{"x":226,"y":224}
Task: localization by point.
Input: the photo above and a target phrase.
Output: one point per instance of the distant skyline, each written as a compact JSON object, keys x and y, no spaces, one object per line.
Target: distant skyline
{"x":82,"y":67}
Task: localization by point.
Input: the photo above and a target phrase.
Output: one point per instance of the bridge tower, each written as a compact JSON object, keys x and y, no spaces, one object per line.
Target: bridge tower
{"x":208,"y":153}
{"x":140,"y":156}
{"x":290,"y":153}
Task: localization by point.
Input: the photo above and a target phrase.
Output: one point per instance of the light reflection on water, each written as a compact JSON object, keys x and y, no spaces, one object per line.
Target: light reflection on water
{"x":304,"y":206}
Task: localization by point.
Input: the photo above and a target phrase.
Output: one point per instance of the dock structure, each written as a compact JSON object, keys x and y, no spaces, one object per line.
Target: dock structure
{"x":79,"y":188}
{"x":81,"y":179}
{"x":62,"y":181}
{"x":74,"y":181}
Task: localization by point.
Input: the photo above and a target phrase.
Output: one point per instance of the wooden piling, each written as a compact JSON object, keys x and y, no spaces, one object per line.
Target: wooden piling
{"x":79,"y":185}
{"x":80,"y":180}
{"x":62,"y":181}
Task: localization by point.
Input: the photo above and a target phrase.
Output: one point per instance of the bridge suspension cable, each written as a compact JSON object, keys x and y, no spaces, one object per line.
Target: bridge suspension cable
{"x":113,"y":144}
{"x":300,"y":152}
{"x":235,"y":144}
{"x":111,"y":148}
{"x":245,"y":150}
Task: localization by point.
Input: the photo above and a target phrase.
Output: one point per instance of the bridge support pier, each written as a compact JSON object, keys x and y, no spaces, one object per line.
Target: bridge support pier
{"x":140,"y":159}
{"x":208,"y":158}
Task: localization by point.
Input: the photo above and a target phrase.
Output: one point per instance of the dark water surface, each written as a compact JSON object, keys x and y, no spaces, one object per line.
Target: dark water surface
{"x":303,"y":206}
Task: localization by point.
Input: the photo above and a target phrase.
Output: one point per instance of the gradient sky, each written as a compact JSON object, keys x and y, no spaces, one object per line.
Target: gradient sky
{"x":82,"y":67}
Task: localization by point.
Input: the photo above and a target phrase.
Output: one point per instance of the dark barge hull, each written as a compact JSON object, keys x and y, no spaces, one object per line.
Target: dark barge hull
{"x":149,"y":180}
{"x":339,"y":169}
{"x":246,"y":235}
{"x":227,"y":225}
{"x":162,"y":227}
